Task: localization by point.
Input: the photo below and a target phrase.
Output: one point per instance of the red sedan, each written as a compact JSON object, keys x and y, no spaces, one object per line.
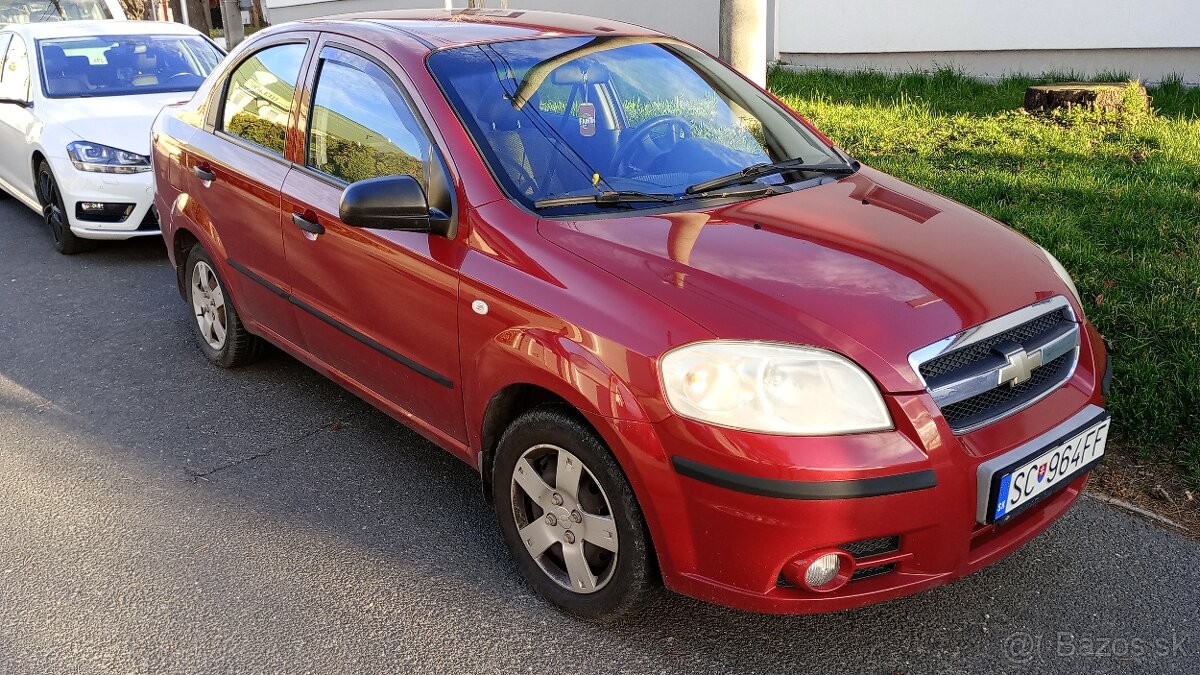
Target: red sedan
{"x":683,"y":337}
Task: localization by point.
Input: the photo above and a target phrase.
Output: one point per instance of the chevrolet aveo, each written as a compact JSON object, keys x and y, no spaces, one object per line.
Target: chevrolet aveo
{"x":683,"y":337}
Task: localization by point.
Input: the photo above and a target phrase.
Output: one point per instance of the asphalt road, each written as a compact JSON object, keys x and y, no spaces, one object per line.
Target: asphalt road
{"x":158,"y":514}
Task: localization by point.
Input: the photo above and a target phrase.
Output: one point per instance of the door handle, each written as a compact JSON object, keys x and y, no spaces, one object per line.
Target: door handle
{"x":307,"y":225}
{"x":204,"y":174}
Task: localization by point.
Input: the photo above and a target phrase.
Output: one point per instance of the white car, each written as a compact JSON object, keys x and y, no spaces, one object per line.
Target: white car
{"x":77,"y":99}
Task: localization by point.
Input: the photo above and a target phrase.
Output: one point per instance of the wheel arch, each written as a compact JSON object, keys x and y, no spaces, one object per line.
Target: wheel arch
{"x":518,"y":398}
{"x":182,"y":241}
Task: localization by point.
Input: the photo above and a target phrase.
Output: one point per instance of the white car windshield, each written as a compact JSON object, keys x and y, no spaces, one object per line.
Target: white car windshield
{"x":571,"y":118}
{"x":121,"y":65}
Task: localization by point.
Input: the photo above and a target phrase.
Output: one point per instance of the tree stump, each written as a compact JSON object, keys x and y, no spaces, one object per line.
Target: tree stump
{"x":1101,"y":96}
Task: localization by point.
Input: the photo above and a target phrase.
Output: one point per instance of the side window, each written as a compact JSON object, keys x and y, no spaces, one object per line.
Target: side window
{"x":14,"y":75}
{"x":259,"y":97}
{"x":362,"y":127}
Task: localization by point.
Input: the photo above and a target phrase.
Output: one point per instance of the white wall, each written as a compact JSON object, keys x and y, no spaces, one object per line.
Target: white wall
{"x":872,"y":26}
{"x":691,"y":20}
{"x":1149,"y":39}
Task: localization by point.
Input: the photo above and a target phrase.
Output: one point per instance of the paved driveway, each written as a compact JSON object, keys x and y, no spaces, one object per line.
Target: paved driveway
{"x":158,"y":514}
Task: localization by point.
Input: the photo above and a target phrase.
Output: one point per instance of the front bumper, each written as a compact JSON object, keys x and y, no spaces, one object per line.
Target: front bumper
{"x":84,"y":186}
{"x":730,"y":509}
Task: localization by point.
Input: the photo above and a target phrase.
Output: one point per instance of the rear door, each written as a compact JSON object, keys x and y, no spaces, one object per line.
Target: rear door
{"x":377,"y":305}
{"x":236,"y":171}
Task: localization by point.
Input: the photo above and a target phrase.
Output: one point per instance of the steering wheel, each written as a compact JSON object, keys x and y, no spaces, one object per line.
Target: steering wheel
{"x":519,"y":174}
{"x":643,"y":142}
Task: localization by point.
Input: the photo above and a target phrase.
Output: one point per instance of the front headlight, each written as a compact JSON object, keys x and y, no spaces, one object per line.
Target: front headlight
{"x":1062,"y":274}
{"x":103,"y":159}
{"x":772,"y":388}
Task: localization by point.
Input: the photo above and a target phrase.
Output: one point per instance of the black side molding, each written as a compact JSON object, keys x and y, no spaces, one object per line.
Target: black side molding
{"x":365,"y":339}
{"x":800,"y":489}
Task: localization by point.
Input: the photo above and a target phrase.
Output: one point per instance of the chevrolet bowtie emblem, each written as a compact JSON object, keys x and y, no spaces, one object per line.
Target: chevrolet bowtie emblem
{"x":1021,"y":363}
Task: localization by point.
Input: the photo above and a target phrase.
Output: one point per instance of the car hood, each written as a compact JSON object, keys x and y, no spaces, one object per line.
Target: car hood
{"x":867,"y":266}
{"x":117,"y":121}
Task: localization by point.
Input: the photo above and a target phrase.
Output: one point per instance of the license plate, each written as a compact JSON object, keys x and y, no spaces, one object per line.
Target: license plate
{"x":1029,"y":480}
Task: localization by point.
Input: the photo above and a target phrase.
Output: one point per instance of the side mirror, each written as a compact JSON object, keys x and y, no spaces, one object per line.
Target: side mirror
{"x":391,"y":203}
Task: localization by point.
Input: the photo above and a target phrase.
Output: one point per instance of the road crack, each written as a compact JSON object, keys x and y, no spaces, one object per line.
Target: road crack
{"x":335,"y":426}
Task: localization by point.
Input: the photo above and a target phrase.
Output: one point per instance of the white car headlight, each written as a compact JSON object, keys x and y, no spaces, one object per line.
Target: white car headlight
{"x":1064,"y":275}
{"x":772,"y":388}
{"x":103,"y":159}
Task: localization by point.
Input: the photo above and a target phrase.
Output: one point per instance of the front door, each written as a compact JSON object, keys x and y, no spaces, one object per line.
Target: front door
{"x":16,"y":116}
{"x":379,"y":306}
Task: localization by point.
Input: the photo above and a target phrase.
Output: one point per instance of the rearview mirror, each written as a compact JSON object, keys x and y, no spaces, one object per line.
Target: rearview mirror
{"x":391,"y":203}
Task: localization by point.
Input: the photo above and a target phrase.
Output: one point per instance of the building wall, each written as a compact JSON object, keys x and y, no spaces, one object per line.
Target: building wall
{"x":1147,"y":38}
{"x":692,"y":20}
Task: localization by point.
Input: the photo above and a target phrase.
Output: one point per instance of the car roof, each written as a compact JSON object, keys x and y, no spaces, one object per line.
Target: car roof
{"x":439,"y":29}
{"x":54,"y":29}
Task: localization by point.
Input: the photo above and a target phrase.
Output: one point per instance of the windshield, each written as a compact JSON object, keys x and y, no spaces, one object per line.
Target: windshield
{"x":28,"y":11}
{"x":560,"y":117}
{"x":121,"y":65}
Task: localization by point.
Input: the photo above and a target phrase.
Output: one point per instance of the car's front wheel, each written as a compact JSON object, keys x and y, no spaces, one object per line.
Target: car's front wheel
{"x":54,"y":213}
{"x":223,"y":338}
{"x":569,"y":516}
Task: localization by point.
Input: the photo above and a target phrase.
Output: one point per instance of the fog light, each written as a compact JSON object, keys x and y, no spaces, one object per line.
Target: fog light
{"x":103,"y":212}
{"x":822,"y":570}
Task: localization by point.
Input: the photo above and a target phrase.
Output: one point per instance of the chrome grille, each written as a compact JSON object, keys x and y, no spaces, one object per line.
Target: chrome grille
{"x":959,"y":358}
{"x":993,"y":370}
{"x":978,"y":409}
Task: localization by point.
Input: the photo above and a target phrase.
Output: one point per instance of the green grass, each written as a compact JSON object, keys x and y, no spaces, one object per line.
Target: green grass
{"x":1116,"y":197}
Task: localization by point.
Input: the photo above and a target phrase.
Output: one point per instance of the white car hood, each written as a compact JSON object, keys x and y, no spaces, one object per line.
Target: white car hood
{"x":117,"y":121}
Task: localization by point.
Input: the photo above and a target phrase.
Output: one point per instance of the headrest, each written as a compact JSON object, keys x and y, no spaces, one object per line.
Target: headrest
{"x":497,"y":113}
{"x":53,"y":54}
{"x":576,"y":73}
{"x":76,"y":64}
{"x":120,"y":56}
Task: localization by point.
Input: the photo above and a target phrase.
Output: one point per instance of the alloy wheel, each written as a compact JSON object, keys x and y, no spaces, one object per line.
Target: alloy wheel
{"x":52,"y":210}
{"x":208,"y":305}
{"x":564,"y":518}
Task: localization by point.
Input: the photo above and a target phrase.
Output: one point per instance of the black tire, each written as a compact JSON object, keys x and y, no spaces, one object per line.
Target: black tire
{"x":239,"y":347}
{"x":631,"y":578}
{"x":54,"y":214}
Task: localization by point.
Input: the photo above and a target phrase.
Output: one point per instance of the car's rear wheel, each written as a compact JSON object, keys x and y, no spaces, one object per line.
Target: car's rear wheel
{"x":54,"y":213}
{"x":223,"y":338}
{"x":569,"y":516}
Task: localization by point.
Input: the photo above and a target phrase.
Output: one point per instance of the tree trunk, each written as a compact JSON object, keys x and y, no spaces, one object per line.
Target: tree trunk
{"x":176,"y":7}
{"x":198,"y":16}
{"x":1103,"y":96}
{"x":134,"y":9}
{"x":257,"y":18}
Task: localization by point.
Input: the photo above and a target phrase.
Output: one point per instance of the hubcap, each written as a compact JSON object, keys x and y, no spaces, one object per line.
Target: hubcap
{"x":564,"y":518}
{"x":208,"y":305}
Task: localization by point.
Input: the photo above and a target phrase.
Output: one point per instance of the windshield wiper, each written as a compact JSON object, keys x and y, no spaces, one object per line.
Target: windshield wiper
{"x":753,"y":173}
{"x":607,"y":198}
